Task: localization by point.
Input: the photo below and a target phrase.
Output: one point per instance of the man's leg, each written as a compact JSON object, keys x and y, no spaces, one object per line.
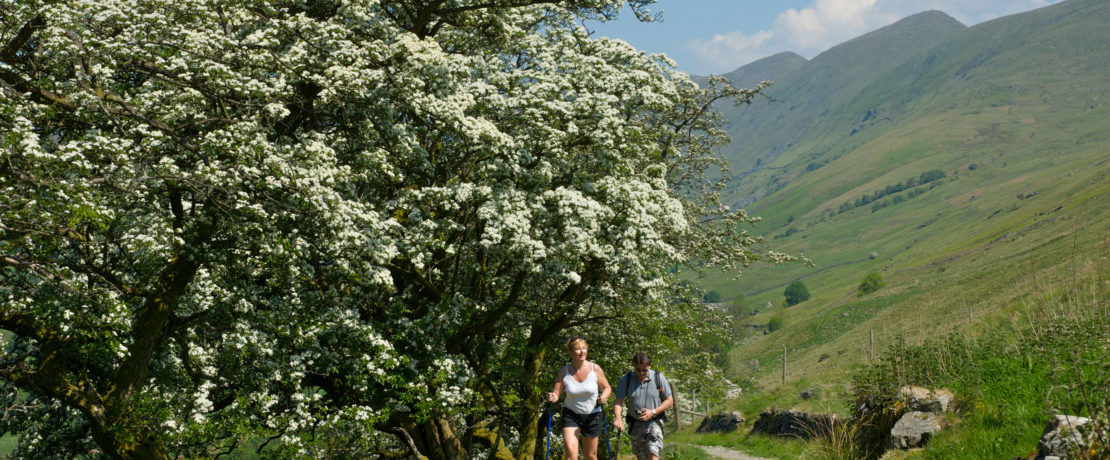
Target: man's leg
{"x":639,"y":445}
{"x":653,"y":440}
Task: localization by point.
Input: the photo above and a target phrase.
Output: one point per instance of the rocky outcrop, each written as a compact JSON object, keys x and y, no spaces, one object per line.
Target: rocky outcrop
{"x":793,"y":423}
{"x":914,"y":429}
{"x":925,"y":400}
{"x":721,"y":423}
{"x":905,"y":421}
{"x":1060,"y":435}
{"x":921,"y":419}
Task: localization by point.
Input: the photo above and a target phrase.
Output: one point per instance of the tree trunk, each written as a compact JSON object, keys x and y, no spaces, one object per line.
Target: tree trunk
{"x":529,"y":423}
{"x":488,"y":434}
{"x":436,"y":438}
{"x":123,"y":444}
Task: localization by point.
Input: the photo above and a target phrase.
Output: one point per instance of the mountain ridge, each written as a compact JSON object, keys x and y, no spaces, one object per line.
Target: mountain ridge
{"x":802,"y":97}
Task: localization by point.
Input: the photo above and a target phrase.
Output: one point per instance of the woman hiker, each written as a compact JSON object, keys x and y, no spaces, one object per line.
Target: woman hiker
{"x":587,"y":389}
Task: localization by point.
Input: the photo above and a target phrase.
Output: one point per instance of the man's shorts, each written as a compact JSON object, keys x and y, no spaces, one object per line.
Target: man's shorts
{"x":647,"y":438}
{"x":588,"y":424}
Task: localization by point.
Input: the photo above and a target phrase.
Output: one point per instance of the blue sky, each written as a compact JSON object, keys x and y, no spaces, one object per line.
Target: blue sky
{"x":717,"y":36}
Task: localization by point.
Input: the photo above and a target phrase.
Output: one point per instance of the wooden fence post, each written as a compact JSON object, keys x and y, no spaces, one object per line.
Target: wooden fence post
{"x":677,"y":414}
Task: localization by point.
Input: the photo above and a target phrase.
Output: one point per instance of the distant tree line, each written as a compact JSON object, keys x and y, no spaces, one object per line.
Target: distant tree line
{"x":912,"y":183}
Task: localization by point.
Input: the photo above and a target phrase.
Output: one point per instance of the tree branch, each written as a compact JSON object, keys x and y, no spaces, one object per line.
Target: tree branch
{"x":42,"y":96}
{"x":487,"y":321}
{"x":49,"y":378}
{"x":13,"y":261}
{"x":404,"y":435}
{"x":37,"y":23}
{"x":150,"y":322}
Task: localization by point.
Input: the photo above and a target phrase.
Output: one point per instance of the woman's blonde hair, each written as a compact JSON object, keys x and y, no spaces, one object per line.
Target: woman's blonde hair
{"x":573,"y":341}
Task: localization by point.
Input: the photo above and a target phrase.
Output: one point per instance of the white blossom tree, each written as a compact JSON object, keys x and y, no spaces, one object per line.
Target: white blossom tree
{"x":318,"y":228}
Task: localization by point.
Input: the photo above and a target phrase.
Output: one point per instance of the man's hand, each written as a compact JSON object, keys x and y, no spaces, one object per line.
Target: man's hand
{"x":645,"y":415}
{"x":618,"y":424}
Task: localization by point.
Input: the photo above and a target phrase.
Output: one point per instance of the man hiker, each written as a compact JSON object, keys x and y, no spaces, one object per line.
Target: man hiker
{"x":648,"y":396}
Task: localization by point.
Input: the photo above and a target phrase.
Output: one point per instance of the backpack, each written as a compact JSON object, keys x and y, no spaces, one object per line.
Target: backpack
{"x":655,"y":378}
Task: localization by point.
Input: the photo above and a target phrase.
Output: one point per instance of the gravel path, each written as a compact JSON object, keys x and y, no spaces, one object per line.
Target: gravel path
{"x":726,"y":453}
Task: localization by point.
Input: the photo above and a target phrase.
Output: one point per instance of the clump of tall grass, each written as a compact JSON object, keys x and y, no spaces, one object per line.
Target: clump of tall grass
{"x":1078,"y":331}
{"x":837,"y":440}
{"x":1081,"y":386}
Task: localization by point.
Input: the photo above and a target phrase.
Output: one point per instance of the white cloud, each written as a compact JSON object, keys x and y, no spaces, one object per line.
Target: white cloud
{"x":826,"y":23}
{"x":731,"y":48}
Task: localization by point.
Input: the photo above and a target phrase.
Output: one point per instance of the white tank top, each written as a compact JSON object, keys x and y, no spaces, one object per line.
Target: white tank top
{"x":581,"y":396}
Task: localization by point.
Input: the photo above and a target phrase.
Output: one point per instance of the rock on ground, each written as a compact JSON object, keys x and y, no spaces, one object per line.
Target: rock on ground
{"x":793,"y":423}
{"x":914,"y":429}
{"x":721,"y":423}
{"x":1059,"y":435}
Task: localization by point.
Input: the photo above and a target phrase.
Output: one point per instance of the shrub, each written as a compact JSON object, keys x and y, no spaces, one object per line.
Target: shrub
{"x":712,"y":297}
{"x":796,"y":293}
{"x":775,"y":324}
{"x":871,"y":283}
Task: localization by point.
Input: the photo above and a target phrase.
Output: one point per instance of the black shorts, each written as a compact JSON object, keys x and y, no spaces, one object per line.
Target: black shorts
{"x":588,"y":424}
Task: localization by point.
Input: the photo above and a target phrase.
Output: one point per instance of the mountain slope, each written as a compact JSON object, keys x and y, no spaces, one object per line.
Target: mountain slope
{"x":1010,"y":112}
{"x":803,"y":98}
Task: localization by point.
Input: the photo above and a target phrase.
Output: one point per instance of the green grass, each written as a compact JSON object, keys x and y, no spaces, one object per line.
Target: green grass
{"x":1009,"y":381}
{"x":7,"y":444}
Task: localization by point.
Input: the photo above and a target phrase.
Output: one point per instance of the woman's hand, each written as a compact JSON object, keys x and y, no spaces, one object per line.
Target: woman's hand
{"x":551,"y":396}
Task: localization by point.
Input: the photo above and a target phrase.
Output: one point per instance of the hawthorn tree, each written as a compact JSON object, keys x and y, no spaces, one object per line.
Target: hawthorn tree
{"x":347,"y":229}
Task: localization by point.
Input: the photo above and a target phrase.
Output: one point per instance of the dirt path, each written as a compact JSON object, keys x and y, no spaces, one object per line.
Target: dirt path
{"x":726,"y":453}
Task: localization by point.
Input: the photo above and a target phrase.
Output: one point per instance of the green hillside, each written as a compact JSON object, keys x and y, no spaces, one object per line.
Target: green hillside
{"x":1012,"y":113}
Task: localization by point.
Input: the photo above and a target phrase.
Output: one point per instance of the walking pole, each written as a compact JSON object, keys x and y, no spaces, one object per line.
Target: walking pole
{"x":617,"y":452}
{"x":605,"y":428}
{"x":547,"y":451}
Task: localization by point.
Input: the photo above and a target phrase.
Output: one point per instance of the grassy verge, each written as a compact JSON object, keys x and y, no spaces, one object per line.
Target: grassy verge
{"x":1009,"y":381}
{"x":1052,"y":357}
